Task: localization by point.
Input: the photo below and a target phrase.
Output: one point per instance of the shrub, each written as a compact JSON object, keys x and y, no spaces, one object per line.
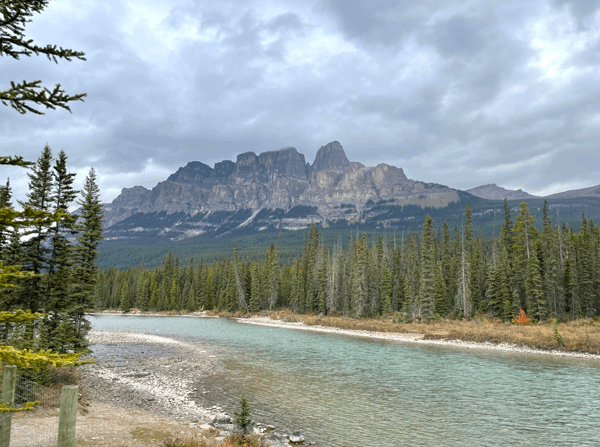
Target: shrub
{"x":521,"y":318}
{"x":241,"y":416}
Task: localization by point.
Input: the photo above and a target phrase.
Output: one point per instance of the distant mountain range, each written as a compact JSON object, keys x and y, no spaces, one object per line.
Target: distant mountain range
{"x":279,"y":190}
{"x":495,"y":192}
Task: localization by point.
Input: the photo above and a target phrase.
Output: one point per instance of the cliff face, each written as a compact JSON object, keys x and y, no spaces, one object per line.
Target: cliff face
{"x":332,"y":188}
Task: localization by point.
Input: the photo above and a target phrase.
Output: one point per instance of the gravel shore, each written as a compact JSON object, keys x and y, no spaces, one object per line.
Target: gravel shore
{"x":156,"y":375}
{"x":148,"y":372}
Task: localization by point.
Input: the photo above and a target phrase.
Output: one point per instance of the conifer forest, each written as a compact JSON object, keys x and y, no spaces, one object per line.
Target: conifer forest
{"x":47,"y":257}
{"x":435,"y":274}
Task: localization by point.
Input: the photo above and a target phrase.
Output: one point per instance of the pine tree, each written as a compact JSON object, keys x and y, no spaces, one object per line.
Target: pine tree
{"x":241,"y":415}
{"x":386,"y":289}
{"x":272,"y":270}
{"x":463,"y":294}
{"x":534,"y":292}
{"x":323,"y":276}
{"x":506,"y":236}
{"x":358,"y":293}
{"x":86,"y":252}
{"x":254,"y":304}
{"x":36,"y":252}
{"x":61,"y":261}
{"x":442,"y":301}
{"x":124,"y":300}
{"x":412,"y":288}
{"x":468,"y":227}
{"x":428,"y":264}
{"x":142,"y":293}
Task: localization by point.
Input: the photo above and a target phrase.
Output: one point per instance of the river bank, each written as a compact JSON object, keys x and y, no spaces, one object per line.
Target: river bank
{"x":582,"y":338}
{"x":413,"y":338}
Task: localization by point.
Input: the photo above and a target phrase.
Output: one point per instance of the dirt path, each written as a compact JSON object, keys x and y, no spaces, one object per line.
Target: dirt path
{"x":104,"y":425}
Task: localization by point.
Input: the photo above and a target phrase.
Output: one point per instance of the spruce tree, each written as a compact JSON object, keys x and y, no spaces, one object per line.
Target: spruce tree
{"x":124,"y":299}
{"x":442,"y":301}
{"x":463,"y":294}
{"x":385,"y":289}
{"x":358,"y":293}
{"x":61,"y":260}
{"x":254,"y":303}
{"x":428,"y":264}
{"x":36,"y":252}
{"x":534,"y":292}
{"x":322,"y":277}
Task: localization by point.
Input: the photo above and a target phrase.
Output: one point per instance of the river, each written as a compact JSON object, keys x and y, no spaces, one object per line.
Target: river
{"x":348,"y":391}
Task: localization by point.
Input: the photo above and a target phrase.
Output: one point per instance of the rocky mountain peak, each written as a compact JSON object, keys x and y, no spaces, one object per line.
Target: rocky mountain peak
{"x":192,"y":172}
{"x":330,"y":157}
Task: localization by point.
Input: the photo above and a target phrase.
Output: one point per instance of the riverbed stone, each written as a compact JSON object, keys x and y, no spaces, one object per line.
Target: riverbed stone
{"x":297,"y":438}
{"x":221,"y":419}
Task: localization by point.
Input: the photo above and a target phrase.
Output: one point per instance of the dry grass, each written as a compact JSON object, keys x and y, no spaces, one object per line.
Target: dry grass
{"x":231,"y":441}
{"x":578,"y":336}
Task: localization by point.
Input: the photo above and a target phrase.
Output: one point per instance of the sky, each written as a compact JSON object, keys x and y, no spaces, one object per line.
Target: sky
{"x":461,"y":93}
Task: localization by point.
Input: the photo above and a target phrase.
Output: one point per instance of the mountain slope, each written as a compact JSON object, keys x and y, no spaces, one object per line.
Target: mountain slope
{"x":495,"y":192}
{"x":593,"y":191}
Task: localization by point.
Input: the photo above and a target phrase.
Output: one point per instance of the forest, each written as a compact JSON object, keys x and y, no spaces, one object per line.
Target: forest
{"x":432,"y":275}
{"x":47,"y":257}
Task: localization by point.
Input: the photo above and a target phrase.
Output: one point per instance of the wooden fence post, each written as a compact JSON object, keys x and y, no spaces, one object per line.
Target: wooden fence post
{"x":8,"y":397}
{"x":67,"y":416}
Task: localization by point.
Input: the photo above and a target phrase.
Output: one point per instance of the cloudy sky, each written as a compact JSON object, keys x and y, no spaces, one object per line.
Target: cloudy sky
{"x":461,"y":93}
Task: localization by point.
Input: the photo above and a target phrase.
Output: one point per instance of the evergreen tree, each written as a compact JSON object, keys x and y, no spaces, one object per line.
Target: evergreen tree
{"x":468,"y":227}
{"x":534,"y":292}
{"x":386,"y":289}
{"x":272,"y":270}
{"x":442,"y":301}
{"x":323,"y":276}
{"x":124,"y":300}
{"x":428,"y":264}
{"x":36,"y":250}
{"x":61,"y":261}
{"x":254,"y":304}
{"x":463,"y":294}
{"x":358,"y":293}
{"x":241,"y":416}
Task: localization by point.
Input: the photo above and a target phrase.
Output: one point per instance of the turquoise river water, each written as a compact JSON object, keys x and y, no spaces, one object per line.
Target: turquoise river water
{"x":349,"y":391}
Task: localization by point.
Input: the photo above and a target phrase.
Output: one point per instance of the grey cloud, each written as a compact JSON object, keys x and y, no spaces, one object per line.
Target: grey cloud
{"x":459,"y":35}
{"x":582,"y":10}
{"x":373,"y":21}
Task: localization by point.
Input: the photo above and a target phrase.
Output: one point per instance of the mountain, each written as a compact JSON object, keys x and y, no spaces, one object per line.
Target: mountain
{"x":495,"y":192}
{"x":272,"y":190}
{"x":593,"y":191}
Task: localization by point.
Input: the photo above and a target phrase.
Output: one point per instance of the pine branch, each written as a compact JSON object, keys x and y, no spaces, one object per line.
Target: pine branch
{"x":16,"y":160}
{"x":19,"y":96}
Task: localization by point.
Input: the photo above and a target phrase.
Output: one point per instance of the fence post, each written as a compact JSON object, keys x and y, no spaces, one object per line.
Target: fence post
{"x":8,"y":397}
{"x":67,"y":416}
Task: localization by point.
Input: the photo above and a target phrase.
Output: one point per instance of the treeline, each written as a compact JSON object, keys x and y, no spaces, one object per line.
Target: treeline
{"x":47,"y":256}
{"x":446,"y":273}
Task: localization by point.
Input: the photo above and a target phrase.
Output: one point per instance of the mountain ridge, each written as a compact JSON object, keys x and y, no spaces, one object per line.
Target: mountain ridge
{"x":330,"y":189}
{"x":279,"y":190}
